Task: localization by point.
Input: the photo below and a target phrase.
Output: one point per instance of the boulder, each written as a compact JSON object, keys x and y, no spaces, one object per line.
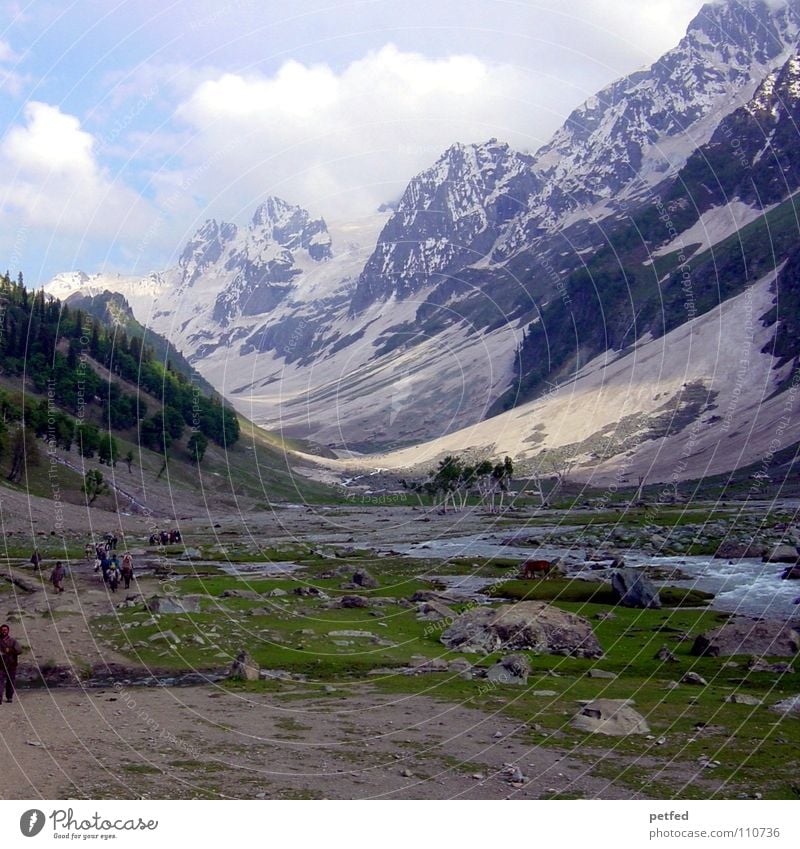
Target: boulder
{"x":352,"y":601}
{"x":788,"y":707}
{"x":251,"y":594}
{"x":602,"y":673}
{"x":190,"y":554}
{"x":613,"y":717}
{"x":362,"y":578}
{"x":791,"y":573}
{"x":782,"y":554}
{"x":172,"y":604}
{"x":694,"y":679}
{"x":435,"y":611}
{"x":749,"y":636}
{"x":512,"y":669}
{"x":742,"y":699}
{"x":732,"y":550}
{"x":633,"y":589}
{"x":665,"y":655}
{"x":244,"y":668}
{"x":527,"y":625}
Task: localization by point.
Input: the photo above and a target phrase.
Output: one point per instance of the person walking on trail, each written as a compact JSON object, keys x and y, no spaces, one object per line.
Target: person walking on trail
{"x":127,"y":569}
{"x":112,"y":576}
{"x":57,"y":577}
{"x":10,"y":650}
{"x":36,"y":559}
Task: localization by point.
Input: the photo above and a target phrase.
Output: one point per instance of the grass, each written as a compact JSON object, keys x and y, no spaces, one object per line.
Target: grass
{"x":560,"y":591}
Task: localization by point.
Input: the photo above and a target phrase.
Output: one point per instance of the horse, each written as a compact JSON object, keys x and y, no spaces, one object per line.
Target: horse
{"x":536,"y":569}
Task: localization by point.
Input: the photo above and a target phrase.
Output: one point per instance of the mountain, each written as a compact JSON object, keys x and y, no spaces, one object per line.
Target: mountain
{"x":501,"y":276}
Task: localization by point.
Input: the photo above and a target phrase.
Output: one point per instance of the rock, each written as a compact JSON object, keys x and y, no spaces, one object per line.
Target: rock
{"x":406,"y":773}
{"x":460,"y":664}
{"x":695,"y":679}
{"x":168,"y":636}
{"x":788,"y":707}
{"x":352,"y":601}
{"x":420,"y":663}
{"x":665,"y":655}
{"x":792,"y":573}
{"x":544,"y":693}
{"x":601,"y":673}
{"x":512,"y":669}
{"x":742,"y":699}
{"x":366,"y":634}
{"x":732,"y":550}
{"x":613,"y":717}
{"x":172,"y":604}
{"x":362,"y":578}
{"x":633,"y":589}
{"x":276,"y":593}
{"x":782,"y":554}
{"x":250,"y":594}
{"x":749,"y":636}
{"x":244,"y":668}
{"x":758,"y":664}
{"x":435,"y":611}
{"x":531,"y":625}
{"x":190,"y":554}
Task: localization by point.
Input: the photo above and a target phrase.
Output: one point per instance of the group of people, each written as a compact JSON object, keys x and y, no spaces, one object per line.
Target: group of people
{"x":113,"y":571}
{"x":165,"y":537}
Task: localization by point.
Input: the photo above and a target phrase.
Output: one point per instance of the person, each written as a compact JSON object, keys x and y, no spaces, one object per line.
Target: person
{"x":127,"y":569}
{"x":36,"y":559}
{"x":90,"y":551}
{"x":10,"y":650}
{"x":112,"y":576}
{"x":57,"y":577}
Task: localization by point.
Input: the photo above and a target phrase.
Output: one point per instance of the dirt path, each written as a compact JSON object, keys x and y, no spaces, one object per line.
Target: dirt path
{"x":208,"y":742}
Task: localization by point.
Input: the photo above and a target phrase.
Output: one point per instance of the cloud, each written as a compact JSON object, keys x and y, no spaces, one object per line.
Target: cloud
{"x":343,"y":142}
{"x":50,"y":178}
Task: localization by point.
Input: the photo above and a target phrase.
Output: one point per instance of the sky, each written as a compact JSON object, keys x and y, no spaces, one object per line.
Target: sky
{"x":127,"y":123}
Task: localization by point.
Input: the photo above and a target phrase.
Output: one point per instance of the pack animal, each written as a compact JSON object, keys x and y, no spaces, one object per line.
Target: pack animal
{"x":536,"y":569}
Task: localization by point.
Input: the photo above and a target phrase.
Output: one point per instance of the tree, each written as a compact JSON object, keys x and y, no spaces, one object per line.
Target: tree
{"x":197,"y":445}
{"x":24,"y":453}
{"x":107,"y":452}
{"x":93,"y":485}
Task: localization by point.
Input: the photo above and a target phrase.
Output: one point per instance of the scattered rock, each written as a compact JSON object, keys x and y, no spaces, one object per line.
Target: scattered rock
{"x":172,"y":604}
{"x":782,"y":554}
{"x":419,"y":663}
{"x":695,"y":679}
{"x":512,"y":669}
{"x":788,"y":707}
{"x":366,"y":634}
{"x":435,"y":611}
{"x":234,"y":593}
{"x":244,"y":668}
{"x":737,"y":550}
{"x":665,"y":655}
{"x":633,"y":589}
{"x":742,"y":699}
{"x":601,"y":673}
{"x":749,"y":636}
{"x":613,"y":717}
{"x":362,"y":578}
{"x":276,"y":593}
{"x":352,"y":601}
{"x":758,"y":664}
{"x":531,"y":625}
{"x":168,"y":636}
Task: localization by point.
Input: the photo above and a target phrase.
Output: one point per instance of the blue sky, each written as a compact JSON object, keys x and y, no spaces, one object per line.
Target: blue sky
{"x":127,"y":124}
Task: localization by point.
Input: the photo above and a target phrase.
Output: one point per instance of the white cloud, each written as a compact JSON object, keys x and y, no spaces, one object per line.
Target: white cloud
{"x":50,"y":178}
{"x":343,"y":142}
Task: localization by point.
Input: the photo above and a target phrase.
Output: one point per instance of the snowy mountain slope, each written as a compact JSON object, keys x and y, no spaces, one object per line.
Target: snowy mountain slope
{"x":365,"y":340}
{"x":700,"y":400}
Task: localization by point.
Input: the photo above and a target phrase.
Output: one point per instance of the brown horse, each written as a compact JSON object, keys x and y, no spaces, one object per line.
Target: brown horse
{"x":536,"y":568}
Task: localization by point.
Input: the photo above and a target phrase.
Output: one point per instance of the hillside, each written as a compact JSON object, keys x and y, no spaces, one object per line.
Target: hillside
{"x":91,"y":418}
